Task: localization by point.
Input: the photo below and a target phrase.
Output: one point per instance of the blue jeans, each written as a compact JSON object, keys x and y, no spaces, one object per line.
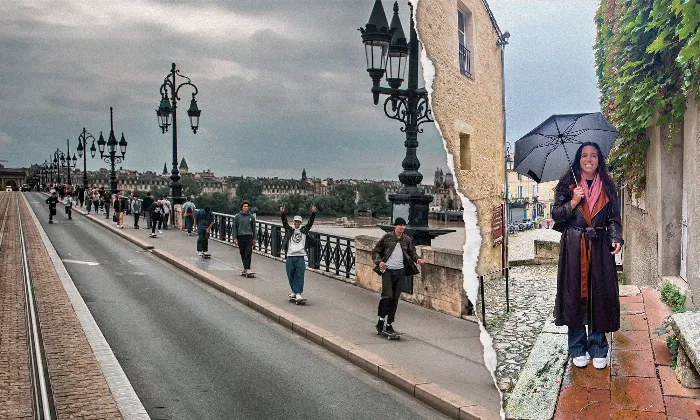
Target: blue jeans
{"x":595,"y":344}
{"x":295,"y":273}
{"x":202,"y":240}
{"x":189,"y":221}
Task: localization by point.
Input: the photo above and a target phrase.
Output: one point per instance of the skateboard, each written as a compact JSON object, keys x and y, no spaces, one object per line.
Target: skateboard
{"x":390,"y":336}
{"x":301,"y":301}
{"x":152,"y":235}
{"x":206,"y":256}
{"x":249,"y":275}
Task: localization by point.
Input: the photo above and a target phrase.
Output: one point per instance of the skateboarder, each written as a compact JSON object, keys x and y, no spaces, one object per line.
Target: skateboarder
{"x":156,"y":211}
{"x":244,"y":236}
{"x":395,"y":256}
{"x":294,"y":247}
{"x":204,"y":220}
{"x":68,"y":202}
{"x":52,"y":201}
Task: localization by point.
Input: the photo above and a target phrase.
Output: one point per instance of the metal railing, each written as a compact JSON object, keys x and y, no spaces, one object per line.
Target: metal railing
{"x":465,"y":61}
{"x":502,"y":274}
{"x":331,"y":253}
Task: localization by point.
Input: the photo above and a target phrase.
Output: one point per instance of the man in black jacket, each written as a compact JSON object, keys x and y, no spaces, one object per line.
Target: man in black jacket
{"x":395,"y":256}
{"x":146,"y":206}
{"x":52,"y":201}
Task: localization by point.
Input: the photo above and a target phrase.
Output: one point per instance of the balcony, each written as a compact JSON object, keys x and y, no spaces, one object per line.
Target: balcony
{"x":465,"y":61}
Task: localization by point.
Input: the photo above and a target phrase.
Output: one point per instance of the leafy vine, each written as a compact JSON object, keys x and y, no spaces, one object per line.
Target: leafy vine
{"x":647,"y":56}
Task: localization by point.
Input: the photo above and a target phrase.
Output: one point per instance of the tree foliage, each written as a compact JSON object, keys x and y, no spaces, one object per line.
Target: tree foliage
{"x":647,"y":57}
{"x":373,"y":197}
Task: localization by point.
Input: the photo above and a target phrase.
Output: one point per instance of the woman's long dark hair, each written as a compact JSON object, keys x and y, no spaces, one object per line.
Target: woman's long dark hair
{"x":602,"y":170}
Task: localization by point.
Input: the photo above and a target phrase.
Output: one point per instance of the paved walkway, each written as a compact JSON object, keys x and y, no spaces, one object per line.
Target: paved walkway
{"x":440,"y":357}
{"x":638,"y":384}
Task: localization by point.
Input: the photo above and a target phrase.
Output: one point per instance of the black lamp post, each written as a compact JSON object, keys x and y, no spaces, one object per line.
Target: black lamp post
{"x":111,"y":156}
{"x":167,"y":108}
{"x":59,"y":161}
{"x":386,"y":46}
{"x":82,"y":153}
{"x":69,"y":163}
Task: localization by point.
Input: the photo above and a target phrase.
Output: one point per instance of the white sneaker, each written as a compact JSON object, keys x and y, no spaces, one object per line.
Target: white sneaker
{"x":200,"y":253}
{"x":292,"y":296}
{"x":581,"y":361}
{"x":160,"y":231}
{"x":600,"y":362}
{"x":299,"y":296}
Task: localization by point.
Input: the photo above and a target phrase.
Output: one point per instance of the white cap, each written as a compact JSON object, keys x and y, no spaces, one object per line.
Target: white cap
{"x":297,"y":218}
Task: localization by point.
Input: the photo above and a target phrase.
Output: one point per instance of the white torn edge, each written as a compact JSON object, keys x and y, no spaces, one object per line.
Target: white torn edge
{"x":128,"y":403}
{"x":472,"y":243}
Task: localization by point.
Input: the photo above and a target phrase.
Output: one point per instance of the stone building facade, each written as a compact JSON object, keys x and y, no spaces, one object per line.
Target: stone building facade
{"x":661,"y":228}
{"x":460,"y":38}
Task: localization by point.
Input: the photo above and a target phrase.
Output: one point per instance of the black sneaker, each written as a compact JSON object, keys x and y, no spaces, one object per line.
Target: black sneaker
{"x":380,"y":326}
{"x":390,"y":330}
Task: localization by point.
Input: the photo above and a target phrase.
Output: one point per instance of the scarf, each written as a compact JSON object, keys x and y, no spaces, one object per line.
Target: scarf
{"x":592,"y":194}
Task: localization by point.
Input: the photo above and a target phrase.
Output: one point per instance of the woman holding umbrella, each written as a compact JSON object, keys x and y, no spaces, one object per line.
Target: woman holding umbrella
{"x":586,"y":212}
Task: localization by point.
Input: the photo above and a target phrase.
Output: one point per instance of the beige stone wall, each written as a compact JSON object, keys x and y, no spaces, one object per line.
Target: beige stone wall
{"x":468,"y":106}
{"x":691,"y":179}
{"x":439,"y":286}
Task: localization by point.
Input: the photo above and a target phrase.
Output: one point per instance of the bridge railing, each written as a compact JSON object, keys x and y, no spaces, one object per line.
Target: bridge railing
{"x":331,"y":253}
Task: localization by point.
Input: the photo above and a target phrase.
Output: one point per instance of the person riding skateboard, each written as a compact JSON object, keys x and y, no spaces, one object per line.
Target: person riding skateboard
{"x":204,"y":220}
{"x":244,"y":236}
{"x":52,"y":201}
{"x":395,"y":255}
{"x":294,"y":248}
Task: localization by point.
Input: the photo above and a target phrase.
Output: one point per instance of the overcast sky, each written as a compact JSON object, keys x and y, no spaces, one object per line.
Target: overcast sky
{"x":282,"y":84}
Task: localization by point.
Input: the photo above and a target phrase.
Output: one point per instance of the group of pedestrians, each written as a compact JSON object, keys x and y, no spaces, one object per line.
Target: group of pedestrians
{"x":394,"y":255}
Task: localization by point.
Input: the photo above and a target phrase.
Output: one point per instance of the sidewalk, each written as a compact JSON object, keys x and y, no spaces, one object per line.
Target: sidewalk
{"x":439,"y":359}
{"x":639,"y":384}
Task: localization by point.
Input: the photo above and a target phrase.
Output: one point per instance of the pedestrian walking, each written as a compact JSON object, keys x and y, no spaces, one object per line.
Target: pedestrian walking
{"x":107,"y":200}
{"x":294,"y":248}
{"x":244,"y":236}
{"x":587,"y":214}
{"x":68,"y":202}
{"x":52,"y":201}
{"x":147,"y":203}
{"x":167,"y":209}
{"x":96,"y":201}
{"x":395,"y":256}
{"x":189,"y":208}
{"x":119,"y":211}
{"x":136,"y":206}
{"x":81,"y":196}
{"x":204,"y":220}
{"x":156,"y":211}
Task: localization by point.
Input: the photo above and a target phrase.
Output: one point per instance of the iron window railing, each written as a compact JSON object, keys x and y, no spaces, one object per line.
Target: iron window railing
{"x":465,"y":61}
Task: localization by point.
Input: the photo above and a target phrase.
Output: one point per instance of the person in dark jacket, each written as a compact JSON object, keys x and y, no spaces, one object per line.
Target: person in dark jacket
{"x":52,"y":201}
{"x":156,"y":211}
{"x":587,"y":214}
{"x":244,"y":236}
{"x":147,"y":203}
{"x":294,"y":248}
{"x":395,"y":254}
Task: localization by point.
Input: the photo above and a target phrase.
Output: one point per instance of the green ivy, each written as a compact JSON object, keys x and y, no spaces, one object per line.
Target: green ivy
{"x":673,"y":297}
{"x":647,"y":55}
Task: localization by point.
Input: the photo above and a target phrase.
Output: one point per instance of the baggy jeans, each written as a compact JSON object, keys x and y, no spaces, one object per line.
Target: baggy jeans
{"x":389,"y":302}
{"x":295,"y":267}
{"x":595,"y":344}
{"x":189,"y":222}
{"x":245,"y":246}
{"x":202,"y":240}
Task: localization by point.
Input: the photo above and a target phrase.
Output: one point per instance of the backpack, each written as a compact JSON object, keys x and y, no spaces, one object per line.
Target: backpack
{"x":189,"y":211}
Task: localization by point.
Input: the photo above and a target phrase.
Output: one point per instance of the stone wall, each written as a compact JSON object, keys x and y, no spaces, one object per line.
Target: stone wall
{"x":691,"y":182}
{"x":470,"y":106}
{"x":546,"y":252}
{"x":439,"y":286}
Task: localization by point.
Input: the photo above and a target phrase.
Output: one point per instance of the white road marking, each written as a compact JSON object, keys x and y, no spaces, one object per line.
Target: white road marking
{"x":81,"y":262}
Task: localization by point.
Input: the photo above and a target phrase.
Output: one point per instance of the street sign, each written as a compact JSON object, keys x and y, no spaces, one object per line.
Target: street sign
{"x":497,"y":225}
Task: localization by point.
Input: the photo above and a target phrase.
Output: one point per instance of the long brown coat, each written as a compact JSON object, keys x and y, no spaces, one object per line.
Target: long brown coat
{"x":594,"y":302}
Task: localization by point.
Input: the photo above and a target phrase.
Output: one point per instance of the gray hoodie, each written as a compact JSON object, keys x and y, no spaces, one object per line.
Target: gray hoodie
{"x":243,"y":225}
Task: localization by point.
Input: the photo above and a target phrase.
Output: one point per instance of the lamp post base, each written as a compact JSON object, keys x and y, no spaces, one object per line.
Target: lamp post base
{"x":414,"y":208}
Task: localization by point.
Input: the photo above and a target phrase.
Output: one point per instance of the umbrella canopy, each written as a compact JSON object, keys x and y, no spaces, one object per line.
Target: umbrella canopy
{"x":545,"y":153}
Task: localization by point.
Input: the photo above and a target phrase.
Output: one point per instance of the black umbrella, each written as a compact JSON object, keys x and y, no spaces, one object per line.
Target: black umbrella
{"x":545,"y":153}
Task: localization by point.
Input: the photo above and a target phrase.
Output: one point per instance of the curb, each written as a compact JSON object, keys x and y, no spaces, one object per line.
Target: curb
{"x":404,"y":379}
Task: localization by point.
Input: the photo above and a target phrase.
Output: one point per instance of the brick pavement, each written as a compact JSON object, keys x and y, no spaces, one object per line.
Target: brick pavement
{"x":79,"y":387}
{"x":638,"y":384}
{"x":15,"y":384}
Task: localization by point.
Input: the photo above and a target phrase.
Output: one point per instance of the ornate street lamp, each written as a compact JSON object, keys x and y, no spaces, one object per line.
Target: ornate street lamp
{"x":82,"y":153}
{"x":68,"y":162}
{"x":59,"y":161}
{"x":167,"y":115}
{"x":111,"y":156}
{"x":386,"y":46}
